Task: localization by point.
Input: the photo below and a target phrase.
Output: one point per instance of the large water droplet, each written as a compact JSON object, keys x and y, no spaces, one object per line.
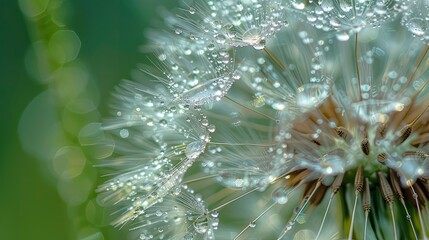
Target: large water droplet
{"x":194,"y":149}
{"x":280,"y":195}
{"x":298,"y":4}
{"x":417,"y":26}
{"x":327,"y":5}
{"x":342,"y":36}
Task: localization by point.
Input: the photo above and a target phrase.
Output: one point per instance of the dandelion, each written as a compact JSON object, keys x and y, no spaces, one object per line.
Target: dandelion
{"x":231,"y":22}
{"x":346,"y":17}
{"x":306,"y":137}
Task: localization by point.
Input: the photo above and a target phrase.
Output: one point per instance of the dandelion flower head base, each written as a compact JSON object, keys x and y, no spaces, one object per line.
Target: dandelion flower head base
{"x":262,"y":117}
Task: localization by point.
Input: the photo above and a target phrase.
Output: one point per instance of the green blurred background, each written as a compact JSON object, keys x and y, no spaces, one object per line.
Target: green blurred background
{"x":59,"y":62}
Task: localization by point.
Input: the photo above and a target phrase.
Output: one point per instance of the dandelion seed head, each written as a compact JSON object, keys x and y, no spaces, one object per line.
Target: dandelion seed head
{"x":246,"y":126}
{"x":345,"y":17}
{"x":232,"y":22}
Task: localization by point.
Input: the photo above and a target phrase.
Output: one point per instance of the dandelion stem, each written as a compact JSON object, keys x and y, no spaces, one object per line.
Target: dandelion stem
{"x":353,"y":216}
{"x":324,"y":216}
{"x":416,"y":68}
{"x":247,"y":108}
{"x":415,"y":196}
{"x":233,"y":200}
{"x":357,"y":65}
{"x":366,"y":203}
{"x":275,"y":59}
{"x":408,"y":217}
{"x":366,"y":225}
{"x":393,"y":220}
{"x":241,"y":144}
{"x":418,"y":117}
{"x":420,"y":61}
{"x":254,"y":220}
{"x":199,"y":179}
{"x":301,"y":209}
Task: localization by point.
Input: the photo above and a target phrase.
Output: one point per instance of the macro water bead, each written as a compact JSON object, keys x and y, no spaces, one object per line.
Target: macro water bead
{"x":273,"y":120}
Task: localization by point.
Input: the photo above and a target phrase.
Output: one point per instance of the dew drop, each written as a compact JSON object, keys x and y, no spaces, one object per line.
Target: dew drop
{"x":365,"y":87}
{"x":260,"y":45}
{"x":298,"y":5}
{"x":211,"y":128}
{"x":194,"y":149}
{"x":278,"y":106}
{"x":163,"y":122}
{"x":417,"y":26}
{"x":280,"y":195}
{"x":252,"y":224}
{"x":124,"y":133}
{"x":343,"y":36}
{"x":158,"y":213}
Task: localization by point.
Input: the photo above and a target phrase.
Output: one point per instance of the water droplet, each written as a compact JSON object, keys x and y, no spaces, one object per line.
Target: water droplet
{"x":158,"y":213}
{"x":211,"y":128}
{"x":365,"y":87}
{"x":163,"y":122}
{"x":298,"y":5}
{"x":343,"y":36}
{"x":252,"y":224}
{"x":260,"y":45}
{"x":327,"y":5}
{"x":124,"y":133}
{"x":194,"y":149}
{"x":278,"y":106}
{"x":417,"y":26}
{"x":162,"y":57}
{"x":280,"y":195}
